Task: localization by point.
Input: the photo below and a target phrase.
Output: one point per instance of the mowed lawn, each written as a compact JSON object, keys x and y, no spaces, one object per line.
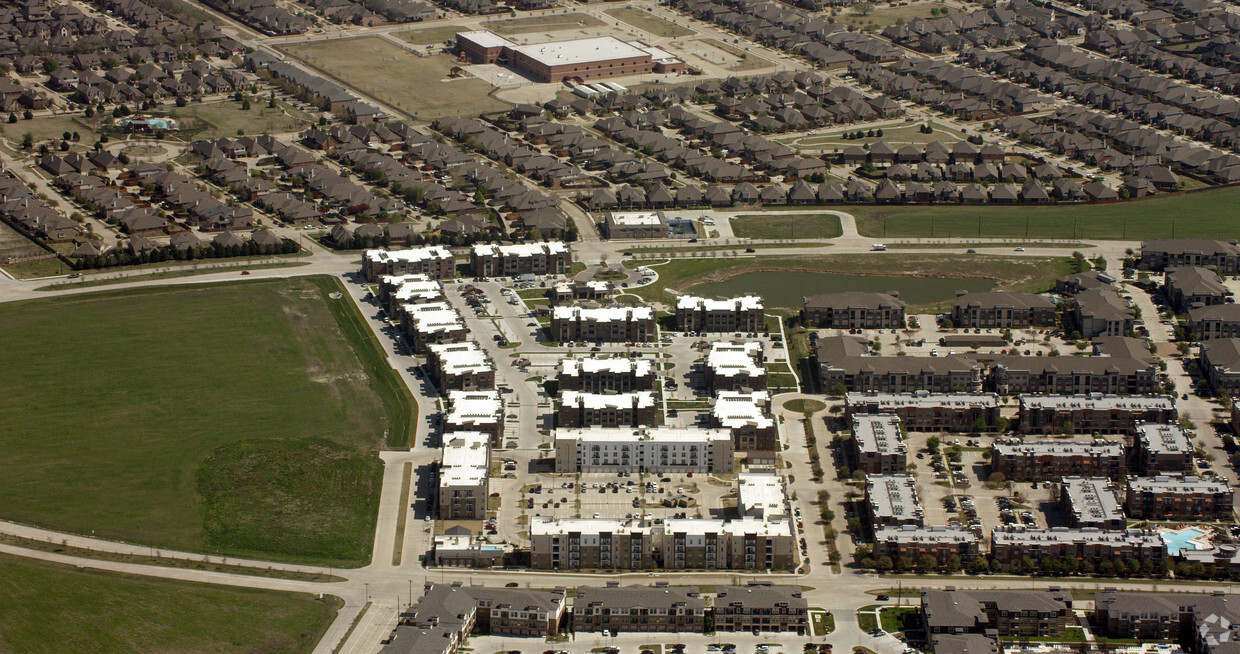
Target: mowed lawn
{"x":54,"y":608}
{"x":787,"y":225}
{"x":548,"y":23}
{"x":241,"y":419}
{"x":1203,"y":214}
{"x":648,"y":22}
{"x":227,"y":118}
{"x":413,"y":84}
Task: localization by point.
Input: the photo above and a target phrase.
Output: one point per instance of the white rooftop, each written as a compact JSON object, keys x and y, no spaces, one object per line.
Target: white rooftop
{"x":429,"y":253}
{"x":746,"y":525}
{"x":475,"y":407}
{"x":637,"y":399}
{"x":574,"y":367}
{"x":636,"y":218}
{"x":603,"y":314}
{"x":654,"y":434}
{"x":760,"y":495}
{"x":1178,"y":484}
{"x":394,"y":281}
{"x":893,"y":496}
{"x":735,"y":409}
{"x":879,"y":434}
{"x":1098,"y":401}
{"x":923,"y":399}
{"x":740,"y":303}
{"x":1163,"y":439}
{"x":433,"y":317}
{"x":520,"y":249}
{"x":461,"y":358}
{"x":485,"y":38}
{"x":728,"y":359}
{"x":580,"y":51}
{"x":466,"y":458}
{"x":419,"y":291}
{"x":550,"y":526}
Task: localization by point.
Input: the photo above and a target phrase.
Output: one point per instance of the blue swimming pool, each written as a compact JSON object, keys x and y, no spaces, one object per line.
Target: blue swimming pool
{"x":1180,"y":540}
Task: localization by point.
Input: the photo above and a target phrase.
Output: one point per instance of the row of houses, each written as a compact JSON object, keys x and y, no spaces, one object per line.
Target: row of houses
{"x":997,"y":27}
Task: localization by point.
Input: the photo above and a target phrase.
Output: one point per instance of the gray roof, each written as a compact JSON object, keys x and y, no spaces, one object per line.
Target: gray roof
{"x":964,"y":644}
{"x":1195,"y":280}
{"x":966,"y":608}
{"x":638,"y":596}
{"x":761,"y":595}
{"x":994,"y":299}
{"x":851,"y":300}
{"x":1190,"y":246}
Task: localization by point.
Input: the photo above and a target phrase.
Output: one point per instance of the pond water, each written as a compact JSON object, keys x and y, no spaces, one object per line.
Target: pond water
{"x":785,"y":289}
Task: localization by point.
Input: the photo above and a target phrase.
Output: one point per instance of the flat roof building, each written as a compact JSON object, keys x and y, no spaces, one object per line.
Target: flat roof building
{"x":914,"y":542}
{"x":677,"y":544}
{"x":747,"y":417}
{"x":877,"y":444}
{"x":762,"y":496}
{"x":635,"y":224}
{"x":463,"y":476}
{"x":632,"y":409}
{"x":735,"y":314}
{"x":436,"y":322}
{"x":433,"y":261}
{"x":1011,"y":545}
{"x":1163,"y":448}
{"x":735,"y":367}
{"x":892,"y":501}
{"x":926,"y":411}
{"x":657,"y":449}
{"x":460,"y":366}
{"x":397,"y":290}
{"x":606,"y":375}
{"x":476,"y":411}
{"x":555,"y":61}
{"x":1039,"y":460}
{"x":1092,"y":502}
{"x":1092,"y":414}
{"x":609,"y":324}
{"x":1179,"y":497}
{"x":550,"y":258}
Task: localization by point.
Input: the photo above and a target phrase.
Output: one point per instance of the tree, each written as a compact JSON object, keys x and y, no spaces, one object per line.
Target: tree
{"x":927,"y":562}
{"x":933,"y":444}
{"x":28,"y":115}
{"x":27,"y":141}
{"x":904,"y":563}
{"x":12,"y":118}
{"x":883,"y":564}
{"x":863,"y":8}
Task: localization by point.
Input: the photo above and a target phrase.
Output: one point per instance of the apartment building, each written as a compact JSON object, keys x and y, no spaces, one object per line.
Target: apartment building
{"x":1216,"y":321}
{"x":1220,"y":362}
{"x":463,"y":476}
{"x":877,"y":444}
{"x":1182,"y":618}
{"x":447,"y":614}
{"x":891,"y":501}
{"x":1091,"y":502}
{"x":611,"y":375}
{"x":398,"y":290}
{"x":434,"y":262}
{"x":844,"y":362}
{"x":735,"y":367}
{"x":761,"y":495}
{"x":551,"y":258}
{"x":1101,"y":312}
{"x":481,"y":411}
{"x":659,"y":608}
{"x":460,"y":366}
{"x":1010,"y":546}
{"x":1192,"y":287}
{"x":1170,"y":253}
{"x":761,"y":606}
{"x":736,"y":314}
{"x":634,"y":225}
{"x":1070,"y":375}
{"x":569,"y":292}
{"x":608,"y":324}
{"x":578,"y":409}
{"x":926,"y":411}
{"x":1083,"y":281}
{"x":747,"y":417}
{"x":1179,"y":497}
{"x":1002,"y":309}
{"x":573,"y":544}
{"x":853,"y":310}
{"x":1162,"y":448}
{"x":739,"y":544}
{"x":1003,"y":613}
{"x":1041,"y":460}
{"x":657,"y":449}
{"x":436,"y":322}
{"x":1093,"y":414}
{"x":464,"y":551}
{"x":914,"y":542}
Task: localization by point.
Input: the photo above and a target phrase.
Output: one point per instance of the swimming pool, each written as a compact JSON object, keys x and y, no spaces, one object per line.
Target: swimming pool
{"x":1183,"y":539}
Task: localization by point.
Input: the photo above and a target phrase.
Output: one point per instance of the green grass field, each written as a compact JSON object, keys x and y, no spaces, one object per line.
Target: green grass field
{"x":648,"y":22}
{"x":1025,"y":274}
{"x":748,"y":60}
{"x":413,"y":84}
{"x":548,"y":23}
{"x":55,"y":608}
{"x":227,"y":118}
{"x":44,"y":128}
{"x":431,"y":35}
{"x":239,"y":419}
{"x":787,"y":225}
{"x":1204,"y":214}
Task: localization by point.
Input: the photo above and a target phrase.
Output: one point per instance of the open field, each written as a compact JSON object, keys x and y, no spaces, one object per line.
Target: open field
{"x":218,"y":119}
{"x":548,"y":23}
{"x":883,"y":15}
{"x":748,"y":60}
{"x":44,"y":128}
{"x":787,"y":225}
{"x":431,"y":35}
{"x":648,"y":22}
{"x":239,"y":419}
{"x":54,"y":608}
{"x":413,"y":84}
{"x":1204,"y":214}
{"x":1028,"y":274}
{"x":896,"y":135}
{"x":166,"y":271}
{"x":38,"y":269}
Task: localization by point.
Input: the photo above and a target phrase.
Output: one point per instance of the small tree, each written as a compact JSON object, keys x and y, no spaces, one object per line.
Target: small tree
{"x":863,"y":8}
